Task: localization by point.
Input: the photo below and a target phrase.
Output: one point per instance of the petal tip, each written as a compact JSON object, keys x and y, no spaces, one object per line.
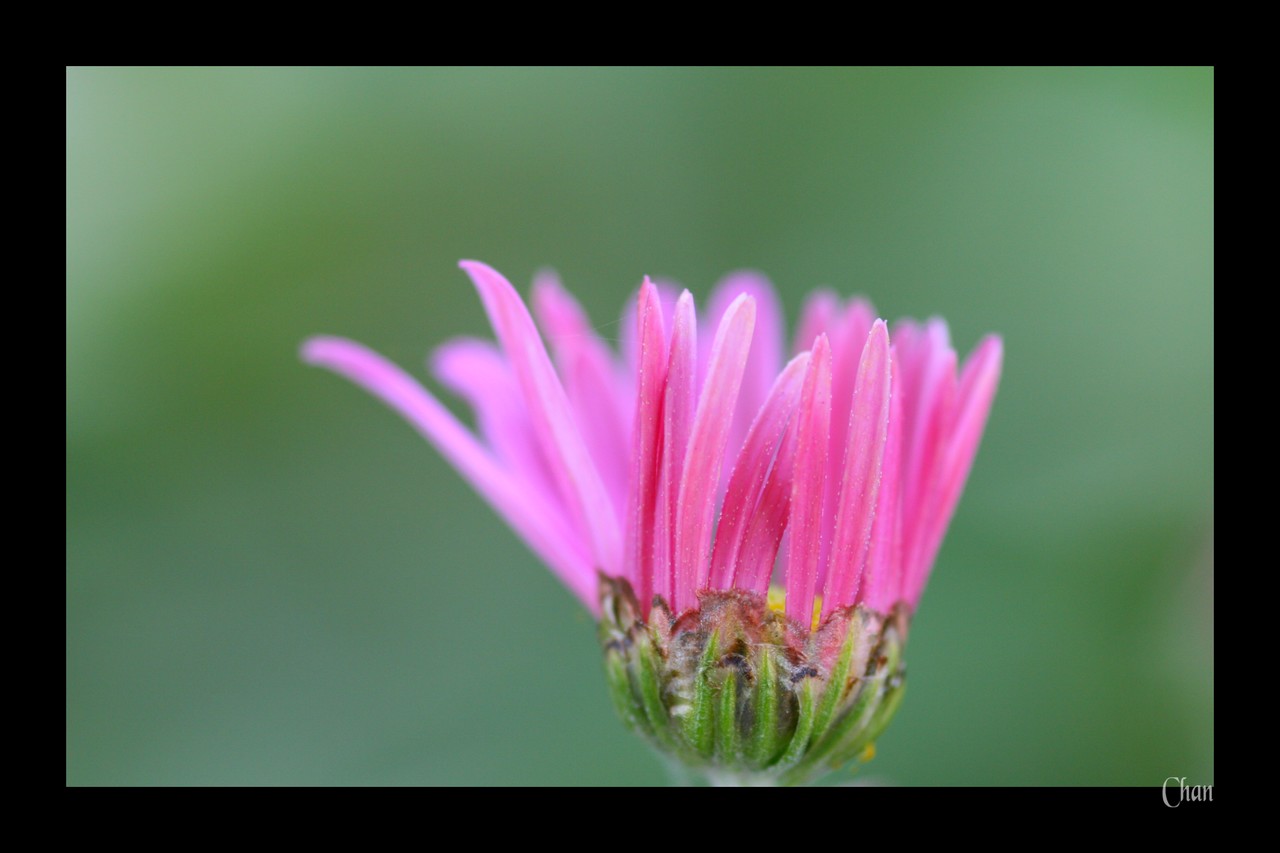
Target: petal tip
{"x":648,"y":292}
{"x":320,"y":349}
{"x":988,"y":355}
{"x":744,"y":303}
{"x":481,"y":273}
{"x":878,"y":338}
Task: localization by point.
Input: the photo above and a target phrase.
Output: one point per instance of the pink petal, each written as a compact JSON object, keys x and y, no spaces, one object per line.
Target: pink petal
{"x":977,"y":391}
{"x":478,"y":371}
{"x":706,"y":450}
{"x":591,"y":393}
{"x":809,"y":485}
{"x":628,"y":344}
{"x":882,"y":584}
{"x":752,"y":469}
{"x":928,"y":377}
{"x":768,"y":523}
{"x":860,"y":483}
{"x":818,"y":316}
{"x":677,"y":418}
{"x":764,"y":360}
{"x":534,"y":520}
{"x":568,"y":330}
{"x":589,"y":374}
{"x":642,"y":498}
{"x":847,"y":344}
{"x":558,"y":434}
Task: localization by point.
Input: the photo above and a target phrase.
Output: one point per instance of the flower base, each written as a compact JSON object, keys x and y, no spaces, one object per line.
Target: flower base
{"x":736,"y":690}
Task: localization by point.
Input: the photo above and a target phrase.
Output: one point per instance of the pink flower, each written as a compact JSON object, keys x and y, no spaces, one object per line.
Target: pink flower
{"x":859,"y":446}
{"x":695,"y":463}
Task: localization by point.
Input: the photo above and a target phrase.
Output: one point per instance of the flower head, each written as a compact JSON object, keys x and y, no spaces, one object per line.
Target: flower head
{"x":753,"y":536}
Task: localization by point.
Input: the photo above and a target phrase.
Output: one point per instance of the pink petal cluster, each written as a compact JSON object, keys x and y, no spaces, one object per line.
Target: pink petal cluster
{"x":695,"y":459}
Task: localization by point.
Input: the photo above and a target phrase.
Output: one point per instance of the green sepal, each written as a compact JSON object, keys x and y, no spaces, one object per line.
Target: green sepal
{"x":883,"y":713}
{"x":845,"y":735}
{"x":765,"y":735}
{"x":889,"y":683}
{"x":736,"y":690}
{"x":888,"y":707}
{"x":728,"y":740}
{"x":619,"y":681}
{"x":699,"y":722}
{"x":805,"y":719}
{"x":837,"y":685}
{"x":647,"y":683}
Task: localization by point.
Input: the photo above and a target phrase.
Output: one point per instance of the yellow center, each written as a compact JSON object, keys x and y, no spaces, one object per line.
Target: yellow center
{"x":777,"y":600}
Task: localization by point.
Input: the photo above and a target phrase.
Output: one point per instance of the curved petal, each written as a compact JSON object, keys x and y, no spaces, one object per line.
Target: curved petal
{"x":589,"y":374}
{"x":628,"y":344}
{"x":847,"y":344}
{"x":860,"y":482}
{"x":646,"y":444}
{"x":764,"y":360}
{"x":882,"y":585}
{"x":818,"y":316}
{"x":973,"y":404}
{"x":531,"y":518}
{"x":677,"y":424}
{"x":574,"y":471}
{"x":928,"y":374}
{"x":809,"y":485}
{"x":701,"y":477}
{"x":477,"y":371}
{"x":768,"y":522}
{"x":751,"y":470}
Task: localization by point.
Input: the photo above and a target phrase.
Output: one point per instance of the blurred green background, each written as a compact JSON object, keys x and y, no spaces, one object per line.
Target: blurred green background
{"x":271,"y":579}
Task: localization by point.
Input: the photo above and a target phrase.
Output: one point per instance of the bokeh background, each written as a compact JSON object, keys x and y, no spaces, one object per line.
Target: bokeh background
{"x":271,"y":579}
